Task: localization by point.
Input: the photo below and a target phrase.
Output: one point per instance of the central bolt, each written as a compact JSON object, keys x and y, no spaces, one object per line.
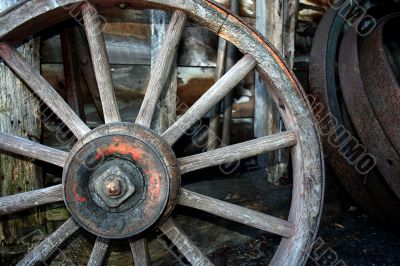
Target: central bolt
{"x":113,"y":188}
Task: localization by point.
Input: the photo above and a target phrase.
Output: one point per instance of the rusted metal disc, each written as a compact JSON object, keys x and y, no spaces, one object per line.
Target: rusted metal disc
{"x":369,"y":191}
{"x":119,"y":180}
{"x":362,"y":115}
{"x":380,"y":83}
{"x":323,"y":87}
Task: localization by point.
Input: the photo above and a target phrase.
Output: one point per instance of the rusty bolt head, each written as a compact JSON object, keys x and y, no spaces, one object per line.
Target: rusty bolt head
{"x":113,"y":186}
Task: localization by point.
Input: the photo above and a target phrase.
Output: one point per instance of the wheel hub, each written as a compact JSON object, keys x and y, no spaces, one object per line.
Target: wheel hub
{"x":120,"y":180}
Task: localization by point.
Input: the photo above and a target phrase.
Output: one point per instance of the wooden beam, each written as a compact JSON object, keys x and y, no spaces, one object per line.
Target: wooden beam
{"x":31,"y":199}
{"x":161,"y":70}
{"x":100,"y":63}
{"x":237,"y":152}
{"x":267,"y":121}
{"x":210,"y":98}
{"x":48,"y":246}
{"x":213,"y":140}
{"x":236,"y":213}
{"x":71,"y":70}
{"x":19,"y":114}
{"x":31,"y":149}
{"x":99,"y":252}
{"x":31,"y":76}
{"x":230,"y":62}
{"x":140,"y":252}
{"x":188,"y":249}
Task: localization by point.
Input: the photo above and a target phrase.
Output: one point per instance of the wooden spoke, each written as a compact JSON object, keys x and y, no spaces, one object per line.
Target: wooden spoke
{"x":43,"y":89}
{"x":160,"y":73}
{"x":238,"y":151}
{"x":32,"y":149}
{"x":99,"y":251}
{"x":48,"y":246}
{"x":140,"y":252}
{"x":26,"y":200}
{"x":100,"y":63}
{"x":210,"y":98}
{"x":236,"y":213}
{"x":188,"y":249}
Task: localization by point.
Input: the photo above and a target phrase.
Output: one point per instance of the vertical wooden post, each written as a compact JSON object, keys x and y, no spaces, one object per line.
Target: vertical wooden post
{"x":276,"y":19}
{"x":165,"y":114}
{"x":230,"y":62}
{"x":214,"y":127}
{"x":19,"y":115}
{"x":291,"y":9}
{"x":231,"y":54}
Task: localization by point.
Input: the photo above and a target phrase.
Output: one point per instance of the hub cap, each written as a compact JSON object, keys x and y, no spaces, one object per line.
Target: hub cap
{"x":120,"y":179}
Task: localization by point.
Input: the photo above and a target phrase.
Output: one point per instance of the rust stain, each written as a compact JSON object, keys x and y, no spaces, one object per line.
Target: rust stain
{"x":77,"y":197}
{"x":154,"y":184}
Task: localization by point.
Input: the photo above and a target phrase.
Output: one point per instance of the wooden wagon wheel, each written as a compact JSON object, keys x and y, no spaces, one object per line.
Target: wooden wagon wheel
{"x":121,"y":180}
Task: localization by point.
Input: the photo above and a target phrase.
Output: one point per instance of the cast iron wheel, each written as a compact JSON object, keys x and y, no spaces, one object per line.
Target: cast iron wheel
{"x":126,"y":169}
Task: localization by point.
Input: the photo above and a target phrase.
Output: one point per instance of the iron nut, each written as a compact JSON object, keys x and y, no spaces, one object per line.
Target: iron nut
{"x":113,"y":186}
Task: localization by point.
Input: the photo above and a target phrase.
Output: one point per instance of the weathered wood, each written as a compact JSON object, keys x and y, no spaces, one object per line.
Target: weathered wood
{"x":48,"y":246}
{"x":71,"y":71}
{"x":162,"y":68}
{"x":210,"y":98}
{"x":236,"y":213}
{"x":19,"y":112}
{"x":291,"y":9}
{"x":307,"y":157}
{"x":42,"y":89}
{"x":140,"y":252}
{"x":99,"y":252}
{"x":188,"y":249}
{"x":165,"y":113}
{"x":30,"y":149}
{"x":100,"y":63}
{"x":27,"y":200}
{"x":237,"y":152}
{"x":214,"y":126}
{"x":247,"y":7}
{"x":230,"y":62}
{"x":86,"y":67}
{"x":122,"y":48}
{"x":270,"y":16}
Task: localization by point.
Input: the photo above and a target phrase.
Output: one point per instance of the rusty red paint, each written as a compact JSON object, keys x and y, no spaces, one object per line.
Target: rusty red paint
{"x":119,"y":146}
{"x":77,"y":197}
{"x":154,"y":184}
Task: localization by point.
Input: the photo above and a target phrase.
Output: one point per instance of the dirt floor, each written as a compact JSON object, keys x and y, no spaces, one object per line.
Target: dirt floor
{"x":350,"y":240}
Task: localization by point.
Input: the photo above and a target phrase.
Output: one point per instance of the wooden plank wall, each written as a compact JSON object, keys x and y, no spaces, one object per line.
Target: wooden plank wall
{"x":128,"y":40}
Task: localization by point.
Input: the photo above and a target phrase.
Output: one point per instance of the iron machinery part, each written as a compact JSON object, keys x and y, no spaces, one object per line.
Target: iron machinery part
{"x":122,"y":186}
{"x":367,"y":127}
{"x":381,"y":84}
{"x":362,"y":113}
{"x":119,"y":179}
{"x":368,"y":191}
